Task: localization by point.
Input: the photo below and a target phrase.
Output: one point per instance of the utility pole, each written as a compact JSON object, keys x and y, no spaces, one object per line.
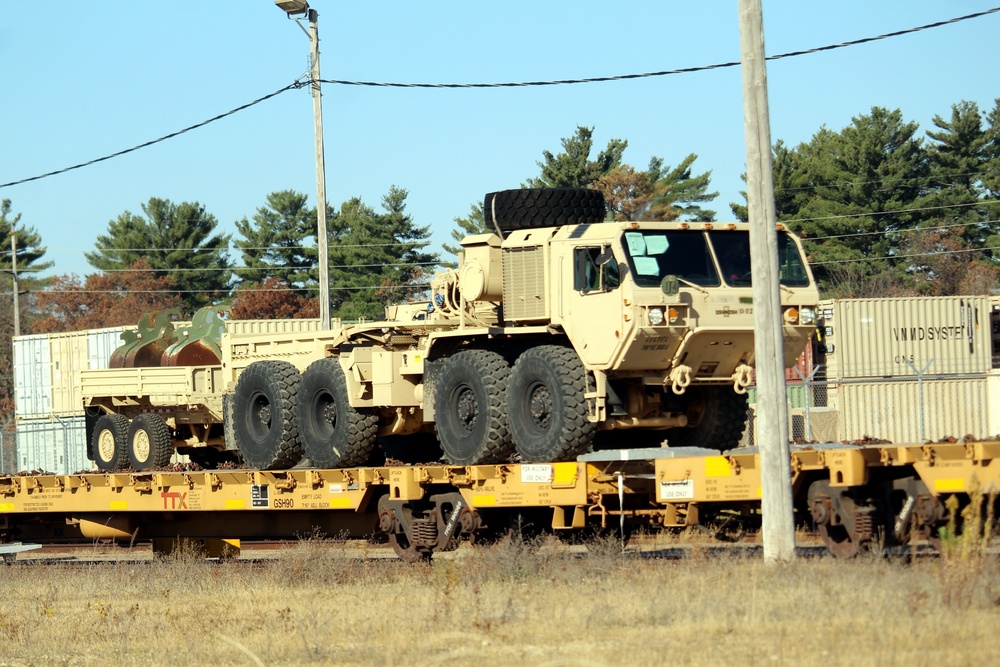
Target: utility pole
{"x":293,"y":8}
{"x":321,"y":238}
{"x":772,"y":408}
{"x":13,"y":272}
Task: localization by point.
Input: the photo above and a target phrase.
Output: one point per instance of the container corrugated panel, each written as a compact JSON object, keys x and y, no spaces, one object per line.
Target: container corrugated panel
{"x":53,"y":445}
{"x":69,"y":356}
{"x":903,"y":413}
{"x":937,"y":335}
{"x":244,"y":327}
{"x":101,"y":343}
{"x":32,"y":376}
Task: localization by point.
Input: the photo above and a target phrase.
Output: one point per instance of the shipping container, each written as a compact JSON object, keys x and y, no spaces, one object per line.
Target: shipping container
{"x":32,"y":376}
{"x":47,"y":369}
{"x":875,"y":338}
{"x":53,"y":445}
{"x":910,"y":411}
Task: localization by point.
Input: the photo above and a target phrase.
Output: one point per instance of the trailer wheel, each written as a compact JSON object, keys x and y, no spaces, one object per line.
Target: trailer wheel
{"x":108,"y":442}
{"x":264,"y":420}
{"x":149,"y":442}
{"x":717,"y":417}
{"x":531,"y":208}
{"x":469,"y":406}
{"x":333,"y":433}
{"x":548,"y":412}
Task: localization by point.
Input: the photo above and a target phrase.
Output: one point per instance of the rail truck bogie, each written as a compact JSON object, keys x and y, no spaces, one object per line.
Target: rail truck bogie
{"x":555,"y":334}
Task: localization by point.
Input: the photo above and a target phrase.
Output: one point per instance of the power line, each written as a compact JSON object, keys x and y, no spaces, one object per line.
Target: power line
{"x":297,"y":84}
{"x":683,"y":70}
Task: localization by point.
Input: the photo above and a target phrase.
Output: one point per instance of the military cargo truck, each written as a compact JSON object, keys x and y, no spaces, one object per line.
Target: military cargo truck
{"x":555,"y":333}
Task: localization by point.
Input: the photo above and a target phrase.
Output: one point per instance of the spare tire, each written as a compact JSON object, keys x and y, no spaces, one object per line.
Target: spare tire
{"x":531,"y":208}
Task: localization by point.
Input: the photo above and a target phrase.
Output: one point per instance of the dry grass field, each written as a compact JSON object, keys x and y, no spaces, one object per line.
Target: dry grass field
{"x":511,"y":604}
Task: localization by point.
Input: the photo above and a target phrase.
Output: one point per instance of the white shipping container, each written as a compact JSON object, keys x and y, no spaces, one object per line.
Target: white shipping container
{"x":897,"y":337}
{"x":57,"y":446}
{"x":32,"y":376}
{"x":903,"y":412}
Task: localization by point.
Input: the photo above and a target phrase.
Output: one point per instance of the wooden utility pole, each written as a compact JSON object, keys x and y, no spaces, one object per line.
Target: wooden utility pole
{"x":772,"y":409}
{"x":13,"y":273}
{"x":321,"y":239}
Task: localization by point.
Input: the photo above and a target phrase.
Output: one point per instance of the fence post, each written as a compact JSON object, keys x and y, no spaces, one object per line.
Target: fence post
{"x":920,"y":392}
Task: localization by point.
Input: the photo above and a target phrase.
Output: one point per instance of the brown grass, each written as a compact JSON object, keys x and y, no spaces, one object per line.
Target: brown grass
{"x":511,"y":604}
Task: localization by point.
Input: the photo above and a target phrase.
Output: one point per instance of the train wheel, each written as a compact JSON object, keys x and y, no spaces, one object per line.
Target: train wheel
{"x":547,"y":410}
{"x":264,"y":415}
{"x":470,"y":410}
{"x":108,"y":442}
{"x":333,"y":433}
{"x":845,"y":526}
{"x":149,"y":442}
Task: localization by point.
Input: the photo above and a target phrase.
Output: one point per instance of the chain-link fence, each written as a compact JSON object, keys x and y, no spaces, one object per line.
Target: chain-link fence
{"x":8,"y":452}
{"x":910,"y":409}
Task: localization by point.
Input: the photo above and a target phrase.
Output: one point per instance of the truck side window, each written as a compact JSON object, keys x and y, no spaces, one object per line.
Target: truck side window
{"x":595,"y":271}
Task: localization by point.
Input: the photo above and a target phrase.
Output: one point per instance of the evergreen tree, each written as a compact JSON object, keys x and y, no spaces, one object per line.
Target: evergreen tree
{"x":376,"y":258}
{"x":573,"y":168}
{"x":28,"y":242}
{"x":177,"y":242}
{"x":474,"y":223}
{"x":274,"y":243}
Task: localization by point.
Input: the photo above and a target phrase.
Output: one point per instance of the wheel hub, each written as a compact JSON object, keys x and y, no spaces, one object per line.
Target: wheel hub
{"x":468,"y":409}
{"x":106,"y":445}
{"x":141,"y":446}
{"x":540,"y":406}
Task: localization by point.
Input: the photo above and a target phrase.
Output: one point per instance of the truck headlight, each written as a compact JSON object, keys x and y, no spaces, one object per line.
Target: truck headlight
{"x":807,"y":316}
{"x":656,"y":316}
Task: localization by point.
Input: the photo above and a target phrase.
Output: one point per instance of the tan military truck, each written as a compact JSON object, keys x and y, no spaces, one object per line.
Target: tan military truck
{"x":556,"y":331}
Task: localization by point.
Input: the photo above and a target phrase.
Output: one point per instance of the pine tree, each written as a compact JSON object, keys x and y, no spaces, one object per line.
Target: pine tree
{"x":276,"y":242}
{"x":474,"y":223}
{"x":177,"y":242}
{"x":376,"y":258}
{"x":573,"y":168}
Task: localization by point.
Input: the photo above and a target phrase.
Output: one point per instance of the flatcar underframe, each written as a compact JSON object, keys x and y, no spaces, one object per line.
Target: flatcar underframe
{"x":855,"y":496}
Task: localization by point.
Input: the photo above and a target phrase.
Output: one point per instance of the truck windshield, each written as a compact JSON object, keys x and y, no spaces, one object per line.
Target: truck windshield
{"x":733,"y":251}
{"x":683,"y":253}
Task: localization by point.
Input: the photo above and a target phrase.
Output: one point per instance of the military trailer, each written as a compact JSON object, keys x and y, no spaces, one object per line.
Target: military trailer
{"x":555,"y":334}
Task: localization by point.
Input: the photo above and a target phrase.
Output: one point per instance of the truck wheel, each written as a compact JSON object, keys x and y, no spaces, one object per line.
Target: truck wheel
{"x":717,"y":417}
{"x":108,"y":442}
{"x":149,"y":442}
{"x":264,"y":421}
{"x":548,"y":412}
{"x":333,"y":433}
{"x":531,"y":208}
{"x":469,"y":408}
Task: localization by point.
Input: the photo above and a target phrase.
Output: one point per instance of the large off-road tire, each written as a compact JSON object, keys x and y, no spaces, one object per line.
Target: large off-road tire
{"x":717,"y":417}
{"x":264,"y":415}
{"x":149,"y":442}
{"x":333,"y":434}
{"x":531,"y":208}
{"x":546,"y":405}
{"x":109,"y":442}
{"x":469,"y":408}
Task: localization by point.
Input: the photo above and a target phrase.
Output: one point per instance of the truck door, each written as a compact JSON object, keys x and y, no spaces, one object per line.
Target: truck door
{"x":592,"y":311}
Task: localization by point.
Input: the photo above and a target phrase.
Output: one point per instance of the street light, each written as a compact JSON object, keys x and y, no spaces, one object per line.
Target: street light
{"x":294,"y":8}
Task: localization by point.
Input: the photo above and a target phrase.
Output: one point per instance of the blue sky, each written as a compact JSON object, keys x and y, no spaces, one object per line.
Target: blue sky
{"x":81,"y":80}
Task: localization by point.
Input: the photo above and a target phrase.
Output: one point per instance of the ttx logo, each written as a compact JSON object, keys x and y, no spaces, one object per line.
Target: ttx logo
{"x":174,"y":500}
